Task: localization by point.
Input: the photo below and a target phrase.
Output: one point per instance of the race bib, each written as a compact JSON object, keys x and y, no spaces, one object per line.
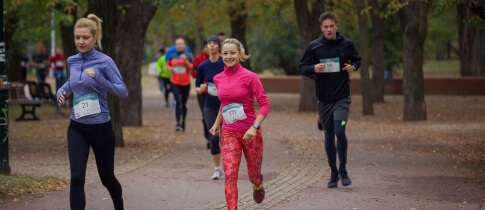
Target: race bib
{"x":233,"y":112}
{"x":58,"y":63}
{"x":86,"y":105}
{"x":211,"y":89}
{"x":41,"y":65}
{"x":179,"y":69}
{"x":331,"y":65}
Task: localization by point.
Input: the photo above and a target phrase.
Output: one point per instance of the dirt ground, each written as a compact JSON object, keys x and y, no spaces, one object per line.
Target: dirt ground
{"x":438,"y":163}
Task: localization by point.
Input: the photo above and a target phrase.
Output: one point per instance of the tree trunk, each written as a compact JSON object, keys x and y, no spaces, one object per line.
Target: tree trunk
{"x":414,"y":22}
{"x":309,"y":30}
{"x":107,"y":11}
{"x":128,"y":56}
{"x":471,"y":44}
{"x":238,"y":17}
{"x":14,"y":52}
{"x":378,"y":61}
{"x":367,"y":104}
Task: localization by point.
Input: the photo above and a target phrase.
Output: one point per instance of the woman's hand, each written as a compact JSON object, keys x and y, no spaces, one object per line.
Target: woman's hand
{"x":91,"y":72}
{"x":250,"y":134}
{"x":62,"y":99}
{"x":214,"y":130}
{"x":203,"y":87}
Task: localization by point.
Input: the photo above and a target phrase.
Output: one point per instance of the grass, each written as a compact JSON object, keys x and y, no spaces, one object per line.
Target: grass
{"x":436,"y":68}
{"x":17,"y":184}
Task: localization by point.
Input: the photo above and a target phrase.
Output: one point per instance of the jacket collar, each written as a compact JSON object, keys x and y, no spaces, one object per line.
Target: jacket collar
{"x":90,"y":54}
{"x":233,"y":69}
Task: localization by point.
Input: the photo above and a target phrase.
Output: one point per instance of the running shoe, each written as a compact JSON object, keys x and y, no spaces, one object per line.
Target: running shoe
{"x":178,"y":127}
{"x":258,"y":194}
{"x":183,"y":126}
{"x":334,"y":178}
{"x":217,"y":174}
{"x":344,"y":177}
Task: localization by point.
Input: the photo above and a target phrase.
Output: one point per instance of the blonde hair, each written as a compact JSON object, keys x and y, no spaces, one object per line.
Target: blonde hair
{"x":239,"y":46}
{"x":93,"y":23}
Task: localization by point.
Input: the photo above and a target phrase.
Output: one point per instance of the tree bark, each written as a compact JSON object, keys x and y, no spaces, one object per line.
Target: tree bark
{"x":14,"y":52}
{"x":133,"y":21}
{"x":414,"y":22}
{"x":238,"y":17}
{"x":378,"y":61}
{"x":367,"y":104}
{"x":107,"y":11}
{"x":471,"y":43}
{"x":309,"y":30}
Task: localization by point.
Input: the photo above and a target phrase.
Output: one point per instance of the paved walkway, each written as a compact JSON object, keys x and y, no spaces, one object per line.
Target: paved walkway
{"x":386,"y":173}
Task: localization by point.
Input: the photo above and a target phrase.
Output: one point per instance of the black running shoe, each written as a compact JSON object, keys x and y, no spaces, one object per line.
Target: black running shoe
{"x":344,"y":177}
{"x":183,"y":126}
{"x":178,"y":127}
{"x":333,"y":180}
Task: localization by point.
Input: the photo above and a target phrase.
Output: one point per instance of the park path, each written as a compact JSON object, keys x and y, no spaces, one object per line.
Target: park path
{"x":387,"y":172}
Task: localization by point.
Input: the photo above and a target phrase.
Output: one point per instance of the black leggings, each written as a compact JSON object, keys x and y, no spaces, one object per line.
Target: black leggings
{"x":101,"y":139}
{"x":337,"y":129}
{"x":201,"y":101}
{"x":164,"y":85}
{"x":210,"y":116}
{"x":181,"y":95}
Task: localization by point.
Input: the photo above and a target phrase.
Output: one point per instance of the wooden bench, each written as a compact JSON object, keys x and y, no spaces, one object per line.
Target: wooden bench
{"x":40,"y":93}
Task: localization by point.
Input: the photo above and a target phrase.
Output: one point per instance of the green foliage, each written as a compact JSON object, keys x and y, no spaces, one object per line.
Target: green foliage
{"x":275,"y":43}
{"x":442,"y":30}
{"x":29,"y":30}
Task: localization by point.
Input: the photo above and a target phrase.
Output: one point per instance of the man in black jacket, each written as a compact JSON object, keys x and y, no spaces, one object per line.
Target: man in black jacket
{"x":330,"y":60}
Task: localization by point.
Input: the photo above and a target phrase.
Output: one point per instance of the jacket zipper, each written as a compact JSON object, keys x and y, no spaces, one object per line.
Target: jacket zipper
{"x":82,"y":67}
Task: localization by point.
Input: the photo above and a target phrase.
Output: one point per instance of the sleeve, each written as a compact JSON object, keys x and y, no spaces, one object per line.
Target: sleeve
{"x":65,"y":88}
{"x":307,"y":62}
{"x":191,"y":60}
{"x":113,"y":83}
{"x":199,"y":78}
{"x":168,"y":62}
{"x":355,"y":57}
{"x":160,"y":64}
{"x":260,"y":94}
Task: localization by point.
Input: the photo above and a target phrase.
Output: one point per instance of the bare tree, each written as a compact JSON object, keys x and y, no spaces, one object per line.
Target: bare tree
{"x":133,"y":19}
{"x":368,"y":108}
{"x":238,"y":14}
{"x":471,"y":43}
{"x":378,"y":61}
{"x":414,"y":21}
{"x":307,"y":14}
{"x":107,"y":11}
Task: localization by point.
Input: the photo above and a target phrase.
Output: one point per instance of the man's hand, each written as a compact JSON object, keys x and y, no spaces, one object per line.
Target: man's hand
{"x":349,"y":68}
{"x":319,"y":68}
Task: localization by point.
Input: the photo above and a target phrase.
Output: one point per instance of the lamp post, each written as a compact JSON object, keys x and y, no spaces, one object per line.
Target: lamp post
{"x":4,"y":86}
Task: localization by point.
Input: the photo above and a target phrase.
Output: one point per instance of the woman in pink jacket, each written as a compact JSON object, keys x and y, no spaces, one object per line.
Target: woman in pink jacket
{"x":241,"y":127}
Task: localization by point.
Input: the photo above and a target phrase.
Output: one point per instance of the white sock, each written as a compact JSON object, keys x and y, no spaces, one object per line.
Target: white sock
{"x":217,"y":168}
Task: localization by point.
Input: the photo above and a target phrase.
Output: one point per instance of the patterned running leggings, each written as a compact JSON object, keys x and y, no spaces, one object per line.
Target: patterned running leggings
{"x":233,"y":145}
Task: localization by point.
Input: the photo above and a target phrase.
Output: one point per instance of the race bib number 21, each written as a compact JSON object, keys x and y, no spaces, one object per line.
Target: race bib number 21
{"x":86,"y":105}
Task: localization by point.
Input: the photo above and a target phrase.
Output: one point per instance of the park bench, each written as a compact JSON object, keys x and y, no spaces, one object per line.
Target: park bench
{"x":40,"y":93}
